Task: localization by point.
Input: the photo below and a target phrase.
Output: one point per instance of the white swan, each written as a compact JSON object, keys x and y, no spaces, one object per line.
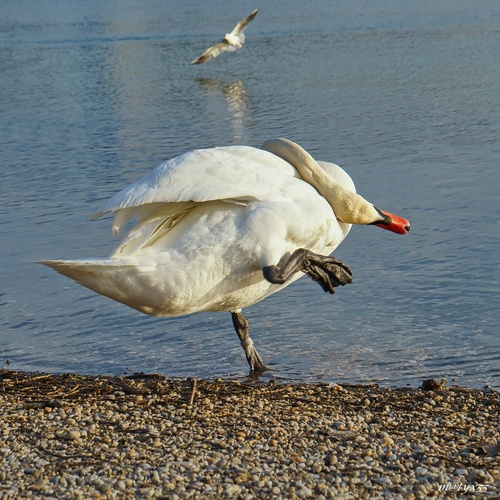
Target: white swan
{"x":221,"y":229}
{"x":231,"y":41}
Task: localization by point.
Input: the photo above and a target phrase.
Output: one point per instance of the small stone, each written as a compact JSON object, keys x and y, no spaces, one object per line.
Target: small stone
{"x":73,"y":435}
{"x":221,"y":463}
{"x":383,"y":480}
{"x":232,"y":489}
{"x":39,"y":484}
{"x":121,"y":485}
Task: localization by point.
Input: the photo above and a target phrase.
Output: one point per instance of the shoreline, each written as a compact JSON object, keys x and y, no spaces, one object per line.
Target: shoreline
{"x":148,"y":436}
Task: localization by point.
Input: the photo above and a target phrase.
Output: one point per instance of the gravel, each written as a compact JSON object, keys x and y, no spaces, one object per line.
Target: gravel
{"x":147,"y":436}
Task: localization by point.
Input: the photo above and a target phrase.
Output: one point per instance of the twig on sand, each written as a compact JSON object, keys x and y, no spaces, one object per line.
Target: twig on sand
{"x":193,"y":391}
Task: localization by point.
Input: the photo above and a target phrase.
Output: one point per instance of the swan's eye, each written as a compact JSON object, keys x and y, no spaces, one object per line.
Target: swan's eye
{"x":386,"y":220}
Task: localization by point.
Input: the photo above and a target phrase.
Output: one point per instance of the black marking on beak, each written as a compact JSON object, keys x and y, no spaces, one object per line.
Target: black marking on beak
{"x":386,"y":220}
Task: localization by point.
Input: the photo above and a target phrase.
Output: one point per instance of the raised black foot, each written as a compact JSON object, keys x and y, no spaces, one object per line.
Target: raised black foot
{"x":254,"y":360}
{"x":327,"y":271}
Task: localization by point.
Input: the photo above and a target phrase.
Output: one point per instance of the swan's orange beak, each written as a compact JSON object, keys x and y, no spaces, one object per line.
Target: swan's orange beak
{"x":394,"y":223}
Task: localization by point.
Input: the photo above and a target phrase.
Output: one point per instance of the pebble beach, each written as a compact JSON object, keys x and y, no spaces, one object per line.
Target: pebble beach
{"x":148,"y":436}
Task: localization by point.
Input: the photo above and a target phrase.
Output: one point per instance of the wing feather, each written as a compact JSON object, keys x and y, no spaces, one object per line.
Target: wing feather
{"x":236,"y":173}
{"x":212,"y":52}
{"x":240,"y":27}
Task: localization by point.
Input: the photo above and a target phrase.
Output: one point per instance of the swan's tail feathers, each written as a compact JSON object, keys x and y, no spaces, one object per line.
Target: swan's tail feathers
{"x":104,"y":276}
{"x":81,"y":269}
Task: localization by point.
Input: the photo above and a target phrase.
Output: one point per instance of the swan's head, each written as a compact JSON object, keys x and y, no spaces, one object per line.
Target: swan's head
{"x":335,"y":185}
{"x":351,"y":208}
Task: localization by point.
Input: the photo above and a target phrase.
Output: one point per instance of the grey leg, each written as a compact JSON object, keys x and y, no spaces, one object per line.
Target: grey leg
{"x":327,"y":271}
{"x":241,"y":326}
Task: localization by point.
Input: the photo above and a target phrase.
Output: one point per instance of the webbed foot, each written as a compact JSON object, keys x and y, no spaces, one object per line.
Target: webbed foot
{"x":329,"y":272}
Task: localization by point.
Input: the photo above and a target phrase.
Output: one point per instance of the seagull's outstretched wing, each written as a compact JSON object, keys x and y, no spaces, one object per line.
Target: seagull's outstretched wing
{"x":240,"y":27}
{"x":212,"y":52}
{"x":231,"y":42}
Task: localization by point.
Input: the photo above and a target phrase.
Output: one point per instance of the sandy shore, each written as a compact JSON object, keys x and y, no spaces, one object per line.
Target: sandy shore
{"x":146,"y":436}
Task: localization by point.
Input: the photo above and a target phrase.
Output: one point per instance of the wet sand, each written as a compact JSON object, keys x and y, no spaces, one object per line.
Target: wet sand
{"x":148,"y":436}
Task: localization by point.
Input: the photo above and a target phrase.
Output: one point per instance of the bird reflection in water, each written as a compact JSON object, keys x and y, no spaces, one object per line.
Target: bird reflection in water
{"x":235,"y":96}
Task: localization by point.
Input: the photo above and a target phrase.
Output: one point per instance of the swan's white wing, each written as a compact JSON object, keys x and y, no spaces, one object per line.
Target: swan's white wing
{"x":240,"y":27}
{"x":212,"y":52}
{"x":235,"y":173}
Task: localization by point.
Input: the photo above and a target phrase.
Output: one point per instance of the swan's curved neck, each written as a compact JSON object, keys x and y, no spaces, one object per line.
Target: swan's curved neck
{"x":349,"y":207}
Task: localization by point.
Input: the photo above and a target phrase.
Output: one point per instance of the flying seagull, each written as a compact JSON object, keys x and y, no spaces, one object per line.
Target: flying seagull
{"x":231,"y":42}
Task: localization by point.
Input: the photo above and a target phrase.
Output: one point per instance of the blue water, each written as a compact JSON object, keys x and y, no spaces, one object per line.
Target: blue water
{"x":406,"y":98}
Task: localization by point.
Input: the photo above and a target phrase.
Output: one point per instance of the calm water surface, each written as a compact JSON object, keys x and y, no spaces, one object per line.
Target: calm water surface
{"x":94,"y":94}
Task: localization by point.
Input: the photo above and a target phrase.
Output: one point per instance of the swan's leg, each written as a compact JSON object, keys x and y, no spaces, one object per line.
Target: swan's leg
{"x":241,"y":326}
{"x":327,"y":271}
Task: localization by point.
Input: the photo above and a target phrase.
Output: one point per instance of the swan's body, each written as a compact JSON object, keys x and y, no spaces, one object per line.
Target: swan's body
{"x":211,"y":220}
{"x":216,"y":229}
{"x":231,"y":41}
